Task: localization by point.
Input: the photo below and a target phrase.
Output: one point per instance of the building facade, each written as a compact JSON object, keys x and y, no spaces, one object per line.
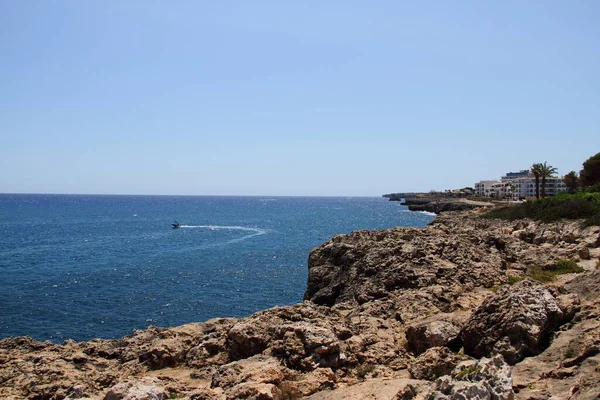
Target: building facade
{"x":519,"y":188}
{"x":525,"y":187}
{"x":484,"y":188}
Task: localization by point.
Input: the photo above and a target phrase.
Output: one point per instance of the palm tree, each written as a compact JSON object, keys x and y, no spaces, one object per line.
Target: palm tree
{"x":546,"y":171}
{"x":536,"y":170}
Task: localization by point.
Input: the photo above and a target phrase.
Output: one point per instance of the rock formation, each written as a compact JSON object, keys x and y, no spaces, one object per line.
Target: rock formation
{"x":403,"y":313}
{"x":515,"y":322}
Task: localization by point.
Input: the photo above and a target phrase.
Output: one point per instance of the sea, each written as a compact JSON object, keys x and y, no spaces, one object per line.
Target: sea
{"x":81,"y":266}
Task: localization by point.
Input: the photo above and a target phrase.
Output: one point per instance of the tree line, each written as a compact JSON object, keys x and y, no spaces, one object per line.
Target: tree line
{"x":587,"y":180}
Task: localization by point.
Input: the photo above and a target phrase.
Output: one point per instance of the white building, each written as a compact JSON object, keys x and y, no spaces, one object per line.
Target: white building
{"x":525,"y":187}
{"x":501,"y":190}
{"x":484,"y":188}
{"x":519,"y":188}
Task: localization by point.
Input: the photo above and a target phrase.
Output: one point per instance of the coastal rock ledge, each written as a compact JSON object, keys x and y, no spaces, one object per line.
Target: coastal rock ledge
{"x":444,"y":312}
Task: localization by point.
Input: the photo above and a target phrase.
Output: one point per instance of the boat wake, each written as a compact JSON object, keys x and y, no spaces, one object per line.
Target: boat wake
{"x":254,"y":231}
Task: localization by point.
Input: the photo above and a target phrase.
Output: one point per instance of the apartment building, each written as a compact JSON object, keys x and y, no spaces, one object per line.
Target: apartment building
{"x":525,"y":187}
{"x":484,"y":188}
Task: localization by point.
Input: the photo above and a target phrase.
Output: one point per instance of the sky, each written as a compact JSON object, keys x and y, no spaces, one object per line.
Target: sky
{"x":292,"y":98}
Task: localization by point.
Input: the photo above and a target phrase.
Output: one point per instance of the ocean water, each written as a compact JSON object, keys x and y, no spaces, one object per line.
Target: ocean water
{"x":79,"y":267}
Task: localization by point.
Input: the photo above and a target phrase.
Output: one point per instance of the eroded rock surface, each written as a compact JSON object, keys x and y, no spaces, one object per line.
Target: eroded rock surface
{"x":483,"y":380}
{"x":514,"y":322}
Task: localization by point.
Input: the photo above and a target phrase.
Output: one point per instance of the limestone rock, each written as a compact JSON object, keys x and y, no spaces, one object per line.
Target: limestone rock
{"x":435,"y":362}
{"x":583,"y":251}
{"x":568,"y":368}
{"x":257,"y":369}
{"x":145,"y":389}
{"x":487,"y":379}
{"x":203,"y":394}
{"x":254,"y":391}
{"x":513,"y":323}
{"x":439,"y":330}
{"x":302,"y":335}
{"x":380,"y":264}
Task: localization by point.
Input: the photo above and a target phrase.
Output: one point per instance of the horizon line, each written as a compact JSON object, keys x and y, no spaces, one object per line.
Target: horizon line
{"x":182,"y":195}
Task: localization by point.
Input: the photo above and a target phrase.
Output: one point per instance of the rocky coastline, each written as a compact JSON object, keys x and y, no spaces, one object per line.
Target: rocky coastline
{"x":449,"y":311}
{"x":436,"y":202}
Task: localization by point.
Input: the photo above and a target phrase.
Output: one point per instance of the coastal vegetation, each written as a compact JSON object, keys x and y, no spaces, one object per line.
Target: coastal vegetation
{"x":548,"y":273}
{"x":582,"y":201}
{"x":565,"y":205}
{"x":590,"y":174}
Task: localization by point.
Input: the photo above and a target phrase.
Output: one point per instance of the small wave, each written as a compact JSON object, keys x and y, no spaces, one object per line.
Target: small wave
{"x":421,"y":212}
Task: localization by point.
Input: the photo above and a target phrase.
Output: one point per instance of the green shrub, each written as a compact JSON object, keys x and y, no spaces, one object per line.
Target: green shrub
{"x":570,"y":206}
{"x":591,"y":189}
{"x":548,"y":274}
{"x":594,"y":220}
{"x":565,"y":267}
{"x":541,"y":275}
{"x":512,"y":279}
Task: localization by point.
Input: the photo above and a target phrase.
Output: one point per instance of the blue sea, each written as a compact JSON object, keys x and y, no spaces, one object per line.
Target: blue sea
{"x":79,"y":266}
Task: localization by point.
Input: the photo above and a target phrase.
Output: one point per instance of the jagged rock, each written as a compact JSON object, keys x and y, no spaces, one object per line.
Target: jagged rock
{"x":145,"y":389}
{"x":381,"y":263}
{"x":77,"y":392}
{"x":513,"y":323}
{"x":247,"y":339}
{"x":212,"y":347}
{"x":583,"y":251}
{"x":568,"y":368}
{"x":309,"y":383}
{"x":450,"y":390}
{"x":257,"y":369}
{"x":203,"y":394}
{"x":435,"y":362}
{"x":306,"y":347}
{"x":569,"y":303}
{"x":488,"y":379}
{"x":304,"y":335}
{"x":438,"y":330}
{"x":254,"y":391}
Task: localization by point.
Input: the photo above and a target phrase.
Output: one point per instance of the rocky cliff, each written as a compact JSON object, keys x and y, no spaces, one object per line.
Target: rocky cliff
{"x":436,"y":202}
{"x":445,"y":312}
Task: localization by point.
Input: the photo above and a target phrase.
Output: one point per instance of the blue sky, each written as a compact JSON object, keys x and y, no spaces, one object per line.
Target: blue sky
{"x":292,"y":97}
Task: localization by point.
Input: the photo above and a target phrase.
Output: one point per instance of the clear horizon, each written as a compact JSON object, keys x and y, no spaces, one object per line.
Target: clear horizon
{"x":183,"y":195}
{"x":283,"y":99}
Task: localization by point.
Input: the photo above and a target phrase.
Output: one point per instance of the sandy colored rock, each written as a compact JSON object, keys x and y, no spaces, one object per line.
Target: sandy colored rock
{"x":514,"y":322}
{"x":485,"y":379}
{"x":432,"y":332}
{"x":145,"y":389}
{"x":435,"y":362}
